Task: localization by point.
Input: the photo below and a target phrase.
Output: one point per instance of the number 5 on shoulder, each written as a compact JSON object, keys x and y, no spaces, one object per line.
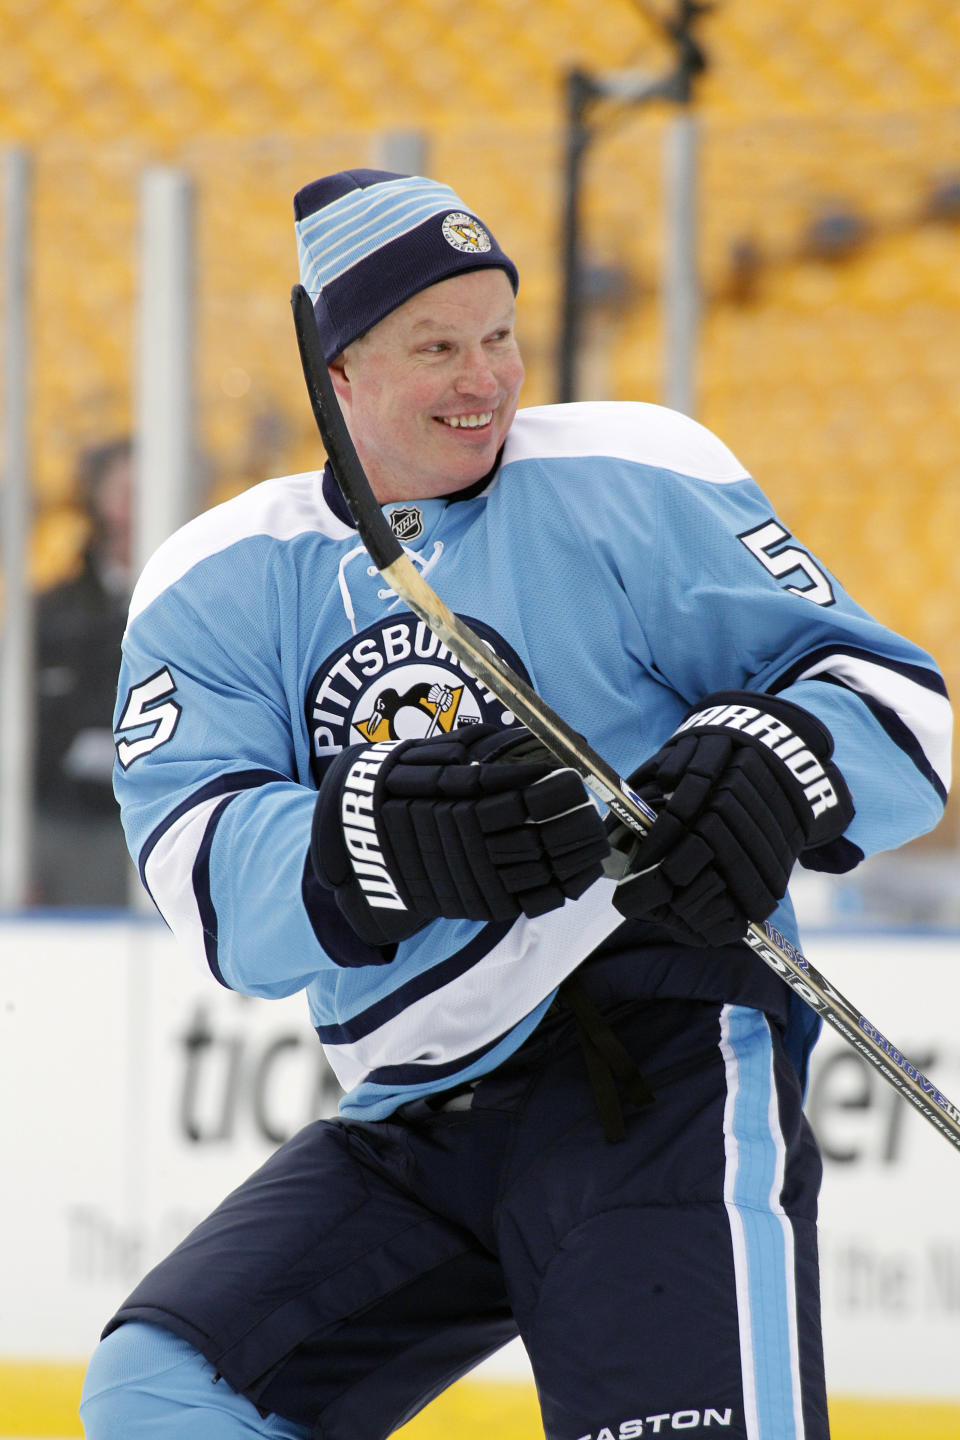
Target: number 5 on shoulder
{"x":147,"y":705}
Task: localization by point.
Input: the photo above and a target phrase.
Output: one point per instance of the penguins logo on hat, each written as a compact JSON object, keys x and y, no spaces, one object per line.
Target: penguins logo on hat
{"x":466,"y":234}
{"x":368,"y":240}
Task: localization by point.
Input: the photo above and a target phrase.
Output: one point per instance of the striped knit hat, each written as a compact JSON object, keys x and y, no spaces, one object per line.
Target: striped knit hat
{"x":368,"y":240}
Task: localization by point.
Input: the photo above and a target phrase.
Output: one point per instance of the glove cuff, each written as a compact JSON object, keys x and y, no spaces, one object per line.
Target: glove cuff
{"x":790,"y":739}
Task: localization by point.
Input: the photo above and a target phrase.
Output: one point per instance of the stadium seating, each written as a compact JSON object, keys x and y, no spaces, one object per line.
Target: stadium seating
{"x":828,"y":353}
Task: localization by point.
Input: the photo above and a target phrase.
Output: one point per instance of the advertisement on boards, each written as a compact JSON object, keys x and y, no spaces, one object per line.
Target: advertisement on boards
{"x":137,"y":1092}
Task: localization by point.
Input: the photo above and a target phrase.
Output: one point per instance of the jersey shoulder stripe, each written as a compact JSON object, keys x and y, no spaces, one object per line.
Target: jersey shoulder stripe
{"x":279,"y":509}
{"x":633,"y":430}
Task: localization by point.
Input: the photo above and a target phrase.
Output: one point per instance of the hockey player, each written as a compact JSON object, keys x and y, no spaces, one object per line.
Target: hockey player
{"x":572,"y":1097}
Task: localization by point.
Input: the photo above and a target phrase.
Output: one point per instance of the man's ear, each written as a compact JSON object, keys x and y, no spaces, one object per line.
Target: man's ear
{"x":339,"y":379}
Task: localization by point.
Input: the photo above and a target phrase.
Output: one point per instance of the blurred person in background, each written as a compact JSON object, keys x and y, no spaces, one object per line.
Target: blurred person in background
{"x":80,"y":857}
{"x":573,"y":1103}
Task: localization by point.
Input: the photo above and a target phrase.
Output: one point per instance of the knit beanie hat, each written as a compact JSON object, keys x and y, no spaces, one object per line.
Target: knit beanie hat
{"x":368,"y":240}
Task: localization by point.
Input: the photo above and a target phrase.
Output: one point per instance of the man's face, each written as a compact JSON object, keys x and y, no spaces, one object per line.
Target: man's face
{"x":430,"y":393}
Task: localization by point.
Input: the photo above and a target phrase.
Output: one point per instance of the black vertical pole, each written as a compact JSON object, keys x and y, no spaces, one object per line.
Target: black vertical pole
{"x":691,"y":58}
{"x":580,"y":91}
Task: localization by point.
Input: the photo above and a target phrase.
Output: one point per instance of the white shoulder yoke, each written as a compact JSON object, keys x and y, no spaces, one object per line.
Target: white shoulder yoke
{"x":627,"y":430}
{"x":280,"y":509}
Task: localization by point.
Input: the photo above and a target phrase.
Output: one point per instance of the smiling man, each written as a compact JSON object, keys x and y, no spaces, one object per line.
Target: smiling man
{"x":428,"y":374}
{"x":573,"y":1098}
{"x":430,"y":393}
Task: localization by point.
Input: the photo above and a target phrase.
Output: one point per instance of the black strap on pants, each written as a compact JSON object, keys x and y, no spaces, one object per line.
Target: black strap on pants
{"x":608,"y":1061}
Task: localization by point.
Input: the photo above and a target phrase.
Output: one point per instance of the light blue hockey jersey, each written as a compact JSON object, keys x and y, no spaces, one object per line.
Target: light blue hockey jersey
{"x":624,"y":562}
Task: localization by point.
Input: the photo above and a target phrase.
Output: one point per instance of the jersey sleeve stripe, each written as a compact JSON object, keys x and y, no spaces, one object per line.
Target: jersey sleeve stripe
{"x":919,"y":674}
{"x":902,"y":736}
{"x":229,"y":784}
{"x":201,"y":889}
{"x":168,"y":876}
{"x":909,"y":701}
{"x":175,"y":860}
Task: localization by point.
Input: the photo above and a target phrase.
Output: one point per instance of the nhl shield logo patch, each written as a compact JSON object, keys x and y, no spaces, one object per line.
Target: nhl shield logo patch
{"x":406,"y":522}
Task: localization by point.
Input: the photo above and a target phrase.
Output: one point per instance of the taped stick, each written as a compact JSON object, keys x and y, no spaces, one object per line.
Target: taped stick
{"x":572,"y":749}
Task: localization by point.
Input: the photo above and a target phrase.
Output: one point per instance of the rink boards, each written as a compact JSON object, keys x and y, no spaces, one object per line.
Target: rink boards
{"x":137,"y":1092}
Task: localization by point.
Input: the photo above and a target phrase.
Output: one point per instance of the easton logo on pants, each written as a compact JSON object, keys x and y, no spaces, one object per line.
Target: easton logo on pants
{"x":658,"y":1424}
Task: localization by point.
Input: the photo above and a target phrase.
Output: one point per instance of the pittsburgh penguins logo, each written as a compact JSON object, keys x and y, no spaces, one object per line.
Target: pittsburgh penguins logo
{"x":464,"y":233}
{"x":400,"y":717}
{"x":398,"y":681}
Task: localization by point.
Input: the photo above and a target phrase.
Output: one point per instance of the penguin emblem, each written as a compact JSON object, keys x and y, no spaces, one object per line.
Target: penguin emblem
{"x":464,"y":232}
{"x":396,"y":680}
{"x":418,"y":713}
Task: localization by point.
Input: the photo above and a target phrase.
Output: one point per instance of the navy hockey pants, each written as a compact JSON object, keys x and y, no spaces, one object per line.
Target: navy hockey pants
{"x":666,"y":1282}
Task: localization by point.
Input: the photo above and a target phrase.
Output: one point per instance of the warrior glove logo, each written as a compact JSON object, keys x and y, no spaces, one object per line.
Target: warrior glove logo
{"x":360,"y":831}
{"x":780,"y":740}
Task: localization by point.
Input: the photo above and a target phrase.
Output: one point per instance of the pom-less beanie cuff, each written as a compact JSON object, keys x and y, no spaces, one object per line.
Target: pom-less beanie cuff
{"x":368,"y":240}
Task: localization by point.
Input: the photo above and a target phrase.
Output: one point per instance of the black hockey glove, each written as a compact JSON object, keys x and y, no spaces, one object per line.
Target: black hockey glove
{"x":478,"y":824}
{"x":742,"y":788}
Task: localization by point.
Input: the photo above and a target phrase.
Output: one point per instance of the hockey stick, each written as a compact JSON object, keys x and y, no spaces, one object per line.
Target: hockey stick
{"x":572,"y":749}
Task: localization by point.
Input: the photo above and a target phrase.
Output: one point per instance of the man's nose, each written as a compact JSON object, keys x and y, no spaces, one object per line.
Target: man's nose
{"x":476,"y":376}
